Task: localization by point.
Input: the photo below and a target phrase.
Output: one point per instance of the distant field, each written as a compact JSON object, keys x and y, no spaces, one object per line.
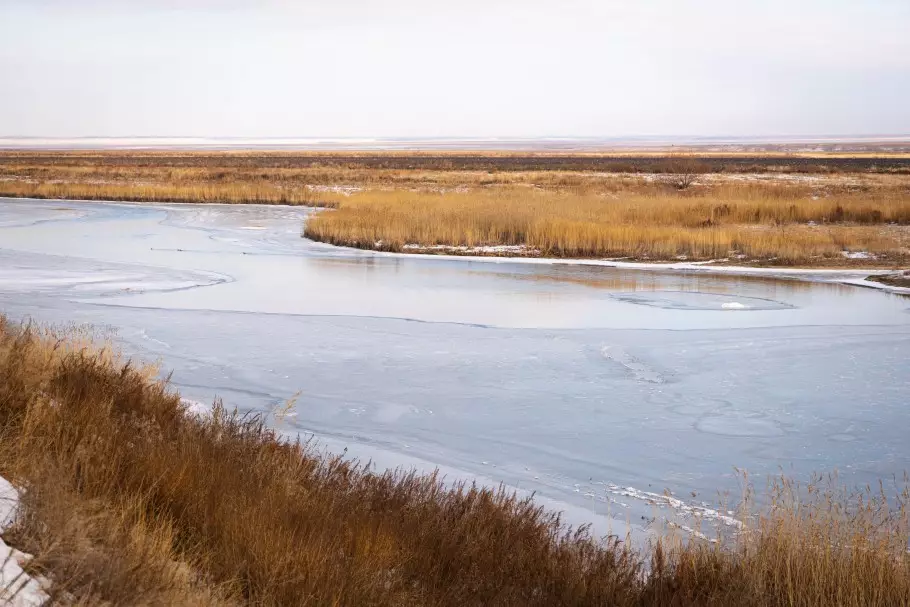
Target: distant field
{"x":823,"y":209}
{"x":626,"y":162}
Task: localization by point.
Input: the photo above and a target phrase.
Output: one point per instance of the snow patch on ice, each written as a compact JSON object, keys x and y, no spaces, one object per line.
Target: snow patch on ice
{"x":17,"y":588}
{"x":701,"y":511}
{"x":697,"y":519}
{"x":690,"y":531}
{"x":144,"y":335}
{"x":196,"y":408}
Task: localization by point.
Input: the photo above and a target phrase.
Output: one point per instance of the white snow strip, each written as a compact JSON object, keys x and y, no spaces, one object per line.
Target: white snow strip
{"x":485,"y":249}
{"x":685,"y":516}
{"x":196,"y":408}
{"x":347,"y":190}
{"x":858,"y":255}
{"x":17,"y":588}
{"x":691,"y":532}
{"x":702,"y":512}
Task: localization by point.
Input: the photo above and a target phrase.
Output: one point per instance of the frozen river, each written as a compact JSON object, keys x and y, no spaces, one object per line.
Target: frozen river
{"x":588,"y":385}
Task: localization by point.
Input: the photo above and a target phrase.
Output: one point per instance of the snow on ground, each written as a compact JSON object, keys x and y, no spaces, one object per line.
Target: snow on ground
{"x":346,"y":190}
{"x":858,"y":255}
{"x":196,"y":408}
{"x":17,"y":588}
{"x":483,"y":250}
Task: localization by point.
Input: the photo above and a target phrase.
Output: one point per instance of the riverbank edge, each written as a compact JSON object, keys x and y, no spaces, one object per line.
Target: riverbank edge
{"x":858,"y":277}
{"x":849,"y":275}
{"x":239,"y":515}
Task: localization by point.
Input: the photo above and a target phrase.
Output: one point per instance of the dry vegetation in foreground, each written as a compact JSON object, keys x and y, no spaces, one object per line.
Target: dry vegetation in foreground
{"x":128,"y":500}
{"x":650,"y":208}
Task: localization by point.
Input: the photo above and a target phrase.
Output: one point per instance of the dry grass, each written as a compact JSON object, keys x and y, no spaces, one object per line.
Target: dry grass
{"x":875,"y":159}
{"x":127,"y":500}
{"x":813,"y":545}
{"x":231,"y":192}
{"x":253,"y":518}
{"x":756,"y":222}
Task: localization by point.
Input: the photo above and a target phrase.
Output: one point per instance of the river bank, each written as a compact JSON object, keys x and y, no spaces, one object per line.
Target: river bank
{"x":171,"y":504}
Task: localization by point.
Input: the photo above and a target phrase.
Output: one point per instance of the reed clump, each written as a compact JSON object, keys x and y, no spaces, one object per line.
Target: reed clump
{"x":129,"y":499}
{"x":753,"y":223}
{"x":225,"y":192}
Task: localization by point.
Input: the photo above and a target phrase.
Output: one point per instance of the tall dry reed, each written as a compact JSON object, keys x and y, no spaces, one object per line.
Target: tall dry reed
{"x":730,"y":222}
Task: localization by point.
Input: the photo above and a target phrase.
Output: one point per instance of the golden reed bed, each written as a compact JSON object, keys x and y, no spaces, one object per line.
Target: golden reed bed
{"x":648,"y":208}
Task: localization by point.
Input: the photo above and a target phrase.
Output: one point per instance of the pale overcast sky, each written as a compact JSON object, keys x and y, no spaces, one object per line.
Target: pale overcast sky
{"x":421,"y":68}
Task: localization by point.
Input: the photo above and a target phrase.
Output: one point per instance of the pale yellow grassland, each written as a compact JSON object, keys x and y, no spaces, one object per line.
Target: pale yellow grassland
{"x":754,"y":222}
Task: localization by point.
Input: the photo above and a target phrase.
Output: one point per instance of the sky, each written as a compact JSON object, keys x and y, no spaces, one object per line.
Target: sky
{"x":462,"y":68}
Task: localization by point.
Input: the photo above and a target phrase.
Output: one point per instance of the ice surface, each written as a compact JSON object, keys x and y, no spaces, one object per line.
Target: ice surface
{"x":569,"y":381}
